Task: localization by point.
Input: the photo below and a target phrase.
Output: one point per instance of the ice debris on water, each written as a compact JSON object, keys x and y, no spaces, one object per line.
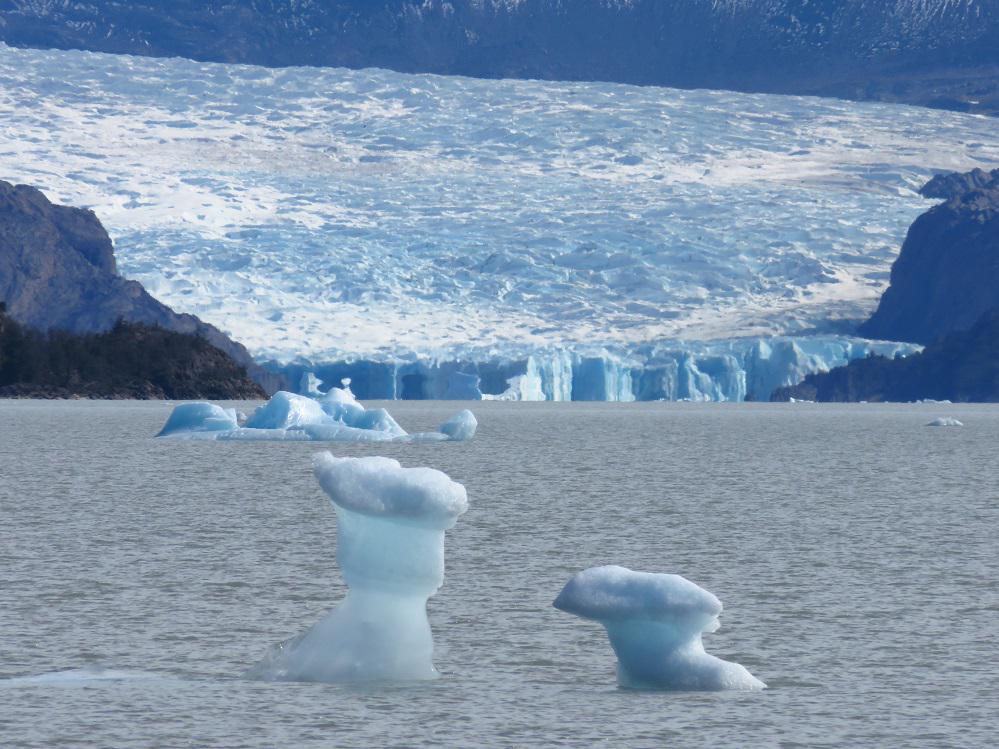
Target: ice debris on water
{"x":336,"y":416}
{"x":390,"y":548}
{"x":655,"y":622}
{"x":945,"y":421}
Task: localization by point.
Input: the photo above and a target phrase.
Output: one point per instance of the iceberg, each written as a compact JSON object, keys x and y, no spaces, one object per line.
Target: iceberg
{"x":461,"y":426}
{"x":390,"y":548}
{"x":194,"y":420}
{"x":945,"y":421}
{"x":655,"y":622}
{"x":336,"y":416}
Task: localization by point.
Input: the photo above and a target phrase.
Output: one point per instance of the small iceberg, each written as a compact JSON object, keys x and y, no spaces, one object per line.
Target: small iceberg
{"x":655,"y":622}
{"x":336,"y":416}
{"x":84,"y":675}
{"x":390,"y":548}
{"x":945,"y":421}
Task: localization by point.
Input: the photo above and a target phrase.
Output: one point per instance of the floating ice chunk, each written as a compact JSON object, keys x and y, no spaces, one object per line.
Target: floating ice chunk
{"x":461,"y":426}
{"x":945,"y":421}
{"x":336,"y":417}
{"x":199,"y":419}
{"x":390,"y":549}
{"x":83,"y":675}
{"x":286,"y":411}
{"x":342,"y":406}
{"x":655,"y":623}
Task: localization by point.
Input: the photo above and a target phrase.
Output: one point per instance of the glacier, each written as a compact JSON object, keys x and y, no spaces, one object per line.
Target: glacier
{"x":390,"y":548}
{"x":654,"y":622}
{"x":328,"y":215}
{"x":335,"y":416}
{"x":734,"y":370}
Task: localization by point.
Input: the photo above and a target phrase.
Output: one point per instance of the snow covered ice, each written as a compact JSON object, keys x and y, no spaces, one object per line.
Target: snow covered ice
{"x":390,"y":548}
{"x":945,"y":421}
{"x":655,"y":622}
{"x":351,"y":216}
{"x":336,"y":416}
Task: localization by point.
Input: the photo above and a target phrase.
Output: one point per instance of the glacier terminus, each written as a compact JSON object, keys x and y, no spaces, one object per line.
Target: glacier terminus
{"x":446,"y":237}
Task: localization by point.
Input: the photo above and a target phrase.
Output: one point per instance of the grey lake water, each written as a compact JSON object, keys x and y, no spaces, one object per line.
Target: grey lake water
{"x":856,"y":552}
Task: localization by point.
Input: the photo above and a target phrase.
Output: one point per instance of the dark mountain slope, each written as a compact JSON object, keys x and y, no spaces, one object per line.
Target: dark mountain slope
{"x":57,"y":272}
{"x":947,"y":274}
{"x":962,"y":367}
{"x":932,"y":52}
{"x":129,"y":361}
{"x":944,"y":292}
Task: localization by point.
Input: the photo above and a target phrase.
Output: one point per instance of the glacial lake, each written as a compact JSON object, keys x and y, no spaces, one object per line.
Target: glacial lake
{"x":855,"y":549}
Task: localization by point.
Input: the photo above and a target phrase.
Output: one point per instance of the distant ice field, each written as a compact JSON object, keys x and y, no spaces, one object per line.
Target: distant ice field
{"x":333,"y":213}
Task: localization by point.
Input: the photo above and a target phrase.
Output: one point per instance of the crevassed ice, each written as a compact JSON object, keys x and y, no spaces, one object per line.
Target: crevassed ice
{"x":346,"y":215}
{"x":655,"y":622}
{"x":390,"y":550}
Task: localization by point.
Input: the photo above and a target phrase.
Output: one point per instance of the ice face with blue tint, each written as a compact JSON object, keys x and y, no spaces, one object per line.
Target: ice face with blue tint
{"x":206,"y":419}
{"x":736,"y":370}
{"x":655,"y":622}
{"x":390,"y":548}
{"x":335,"y":417}
{"x":461,"y":426}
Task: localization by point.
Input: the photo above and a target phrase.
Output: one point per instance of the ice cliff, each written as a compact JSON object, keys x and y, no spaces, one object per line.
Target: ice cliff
{"x":390,"y":549}
{"x":747,"y":369}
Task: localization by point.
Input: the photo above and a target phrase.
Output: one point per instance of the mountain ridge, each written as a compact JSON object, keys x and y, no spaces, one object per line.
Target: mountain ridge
{"x":930,"y":52}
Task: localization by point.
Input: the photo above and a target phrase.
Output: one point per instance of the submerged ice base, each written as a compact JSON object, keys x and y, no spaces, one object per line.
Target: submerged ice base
{"x":336,"y":416}
{"x":654,"y":623}
{"x":390,"y":549}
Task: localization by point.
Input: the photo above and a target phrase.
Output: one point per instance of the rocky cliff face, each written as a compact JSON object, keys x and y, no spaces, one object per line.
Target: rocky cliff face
{"x":955,"y":184}
{"x":947,"y":274}
{"x":961,"y":367}
{"x":57,"y":271}
{"x":932,"y":52}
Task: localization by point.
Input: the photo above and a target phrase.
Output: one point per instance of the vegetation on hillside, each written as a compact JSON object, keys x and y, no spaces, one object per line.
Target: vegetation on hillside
{"x":132,"y":360}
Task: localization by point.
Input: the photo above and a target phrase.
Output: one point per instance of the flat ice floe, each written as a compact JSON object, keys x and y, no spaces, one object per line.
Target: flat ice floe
{"x":655,"y":622}
{"x":390,"y":548}
{"x":335,"y":214}
{"x":945,"y":421}
{"x":336,"y":416}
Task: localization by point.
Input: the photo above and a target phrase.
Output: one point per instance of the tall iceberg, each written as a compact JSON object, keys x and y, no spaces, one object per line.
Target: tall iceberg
{"x":654,"y":623}
{"x":390,"y":548}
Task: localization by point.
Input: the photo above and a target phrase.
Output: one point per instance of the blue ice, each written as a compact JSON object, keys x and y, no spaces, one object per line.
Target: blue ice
{"x":654,"y":623}
{"x":199,"y":419}
{"x":390,"y":548}
{"x":336,"y":416}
